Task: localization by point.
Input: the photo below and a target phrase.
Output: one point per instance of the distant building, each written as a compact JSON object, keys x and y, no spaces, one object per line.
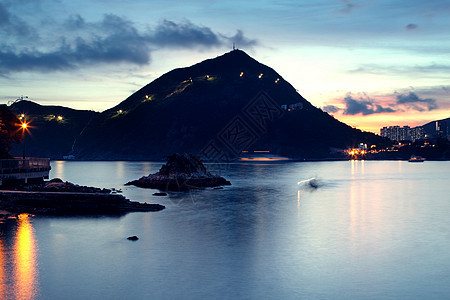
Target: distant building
{"x":417,"y":133}
{"x":441,"y":129}
{"x":396,"y":133}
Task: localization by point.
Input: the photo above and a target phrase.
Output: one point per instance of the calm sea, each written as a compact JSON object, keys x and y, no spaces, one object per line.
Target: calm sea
{"x":371,"y":230}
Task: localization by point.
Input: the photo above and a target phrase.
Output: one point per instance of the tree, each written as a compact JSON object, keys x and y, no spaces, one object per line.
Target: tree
{"x":9,"y":131}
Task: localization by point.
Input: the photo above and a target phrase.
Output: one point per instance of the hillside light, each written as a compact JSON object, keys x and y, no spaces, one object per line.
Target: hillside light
{"x":60,"y":118}
{"x":260,"y":76}
{"x":242,"y":74}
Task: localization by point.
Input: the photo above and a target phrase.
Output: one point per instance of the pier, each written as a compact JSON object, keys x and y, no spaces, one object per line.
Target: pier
{"x":24,"y":169}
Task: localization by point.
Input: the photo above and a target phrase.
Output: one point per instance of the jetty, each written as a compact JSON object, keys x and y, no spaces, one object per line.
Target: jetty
{"x":24,"y":170}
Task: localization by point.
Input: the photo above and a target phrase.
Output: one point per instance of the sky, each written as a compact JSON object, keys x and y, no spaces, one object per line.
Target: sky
{"x":368,"y":63}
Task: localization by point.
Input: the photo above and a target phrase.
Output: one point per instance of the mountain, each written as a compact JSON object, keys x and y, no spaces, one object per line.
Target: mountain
{"x":216,"y":108}
{"x":52,"y":130}
{"x":431,"y":128}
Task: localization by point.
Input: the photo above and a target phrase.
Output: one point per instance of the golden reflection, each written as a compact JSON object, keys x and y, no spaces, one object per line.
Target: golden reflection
{"x":25,"y":260}
{"x":3,"y":277}
{"x":353,"y":162}
{"x":358,"y":166}
{"x":58,"y":169}
{"x":263,"y":159}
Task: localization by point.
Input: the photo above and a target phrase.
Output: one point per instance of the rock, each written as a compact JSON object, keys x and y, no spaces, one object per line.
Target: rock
{"x":64,"y":198}
{"x":159,"y":194}
{"x":57,"y":185}
{"x":55,"y":180}
{"x":132,"y":238}
{"x":181,"y":172}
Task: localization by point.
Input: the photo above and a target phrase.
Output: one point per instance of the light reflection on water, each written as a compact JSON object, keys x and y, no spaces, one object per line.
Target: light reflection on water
{"x":18,"y":262}
{"x":25,"y":260}
{"x":371,"y":230}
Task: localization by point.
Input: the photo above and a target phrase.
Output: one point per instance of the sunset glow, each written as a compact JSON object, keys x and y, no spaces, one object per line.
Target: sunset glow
{"x":369,"y":64}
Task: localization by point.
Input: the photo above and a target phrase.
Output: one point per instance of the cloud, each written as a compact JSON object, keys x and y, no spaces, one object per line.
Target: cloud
{"x":410,"y":69}
{"x":112,"y":40}
{"x":331,"y":109}
{"x":32,"y":60}
{"x":13,"y":26}
{"x":413,"y":101}
{"x":4,"y":15}
{"x":348,"y":6}
{"x":402,"y":103}
{"x":411,"y":26}
{"x":74,"y":22}
{"x":363,"y":106}
{"x":183,"y":34}
{"x":240,"y":40}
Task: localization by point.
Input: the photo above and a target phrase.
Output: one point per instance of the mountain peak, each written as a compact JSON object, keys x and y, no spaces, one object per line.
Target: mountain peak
{"x":187,"y":108}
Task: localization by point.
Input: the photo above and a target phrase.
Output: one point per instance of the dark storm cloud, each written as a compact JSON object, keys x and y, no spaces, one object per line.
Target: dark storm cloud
{"x":112,"y":40}
{"x":363,"y":106}
{"x":413,"y":101}
{"x":411,"y":26}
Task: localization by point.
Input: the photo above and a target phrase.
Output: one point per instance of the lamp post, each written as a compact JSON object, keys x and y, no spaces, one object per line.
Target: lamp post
{"x":24,"y":128}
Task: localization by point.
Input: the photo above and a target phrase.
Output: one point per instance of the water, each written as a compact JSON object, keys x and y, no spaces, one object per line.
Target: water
{"x":372,"y":230}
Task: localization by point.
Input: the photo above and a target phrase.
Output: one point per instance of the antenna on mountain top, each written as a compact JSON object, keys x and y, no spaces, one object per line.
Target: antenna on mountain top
{"x":234,"y":46}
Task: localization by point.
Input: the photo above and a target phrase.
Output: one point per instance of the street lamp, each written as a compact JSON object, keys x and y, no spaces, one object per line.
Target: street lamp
{"x":24,"y":127}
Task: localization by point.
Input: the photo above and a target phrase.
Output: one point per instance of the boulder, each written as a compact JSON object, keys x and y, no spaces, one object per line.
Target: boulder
{"x":181,"y":172}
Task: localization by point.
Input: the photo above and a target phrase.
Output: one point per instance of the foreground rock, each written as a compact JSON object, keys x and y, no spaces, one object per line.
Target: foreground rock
{"x":181,"y":172}
{"x":64,"y":198}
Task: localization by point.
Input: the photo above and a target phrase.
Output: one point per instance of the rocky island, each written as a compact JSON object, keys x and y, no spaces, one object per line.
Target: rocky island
{"x":181,"y":172}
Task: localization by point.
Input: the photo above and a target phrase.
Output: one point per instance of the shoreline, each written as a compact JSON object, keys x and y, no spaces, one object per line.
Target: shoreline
{"x":70,"y":203}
